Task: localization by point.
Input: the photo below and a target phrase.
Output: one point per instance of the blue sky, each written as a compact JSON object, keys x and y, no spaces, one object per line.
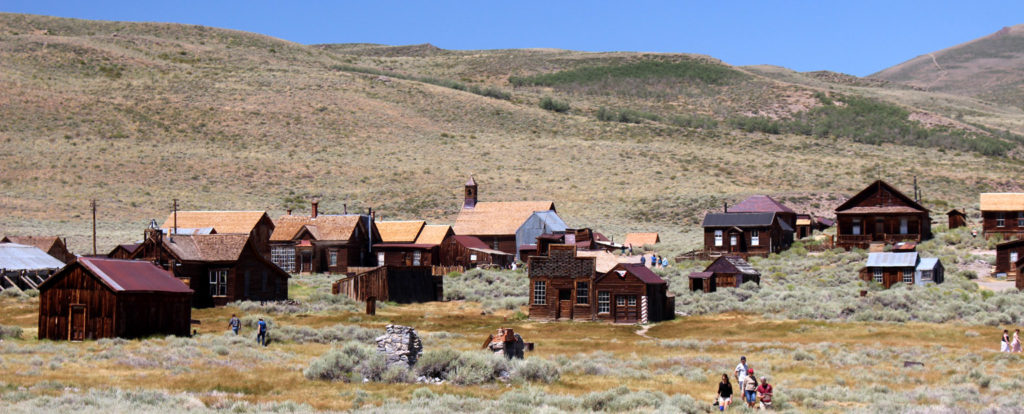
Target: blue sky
{"x":856,"y":37}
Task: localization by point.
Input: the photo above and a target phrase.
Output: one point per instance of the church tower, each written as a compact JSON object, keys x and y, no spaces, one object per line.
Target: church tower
{"x":470,"y":193}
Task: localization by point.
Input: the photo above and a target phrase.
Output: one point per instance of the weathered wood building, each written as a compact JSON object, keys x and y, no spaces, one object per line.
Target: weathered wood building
{"x":537,"y":224}
{"x":96,"y":298}
{"x":401,"y":284}
{"x":766,"y":204}
{"x":256,"y":224}
{"x":410,"y":243}
{"x":881,"y":214}
{"x":632,"y":293}
{"x":495,"y":223}
{"x":469,"y":252}
{"x":123,"y":251}
{"x":1002,"y":214}
{"x":321,"y":243}
{"x":220,"y":268}
{"x":891,"y":268}
{"x":745,"y":234}
{"x":957,"y":218}
{"x":725,"y":271}
{"x":52,"y":245}
{"x":807,"y":224}
{"x":25,"y":267}
{"x":1008,"y":254}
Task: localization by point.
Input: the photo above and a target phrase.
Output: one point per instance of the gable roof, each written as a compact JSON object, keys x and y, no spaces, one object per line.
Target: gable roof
{"x":42,"y":242}
{"x":731,"y":264}
{"x":126,"y":275}
{"x":957,"y":211}
{"x":490,"y":218}
{"x":850,"y":206}
{"x":738,"y":220}
{"x":760,"y":204}
{"x":207,"y":247}
{"x":1002,"y":201}
{"x":130,"y":247}
{"x":433,"y":234}
{"x":641,"y":272}
{"x":928,"y":263}
{"x":475,"y":244}
{"x":890,"y":259}
{"x":14,"y":256}
{"x":221,"y":221}
{"x":399,"y":231}
{"x":1009,"y":244}
{"x":642,"y":239}
{"x":322,"y":227}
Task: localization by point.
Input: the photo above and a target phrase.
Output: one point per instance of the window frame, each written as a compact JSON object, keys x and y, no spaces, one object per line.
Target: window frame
{"x":582,"y":292}
{"x":604,"y":301}
{"x":1000,"y":219}
{"x":417,"y":257}
{"x":1014,"y":257}
{"x":218,"y":282}
{"x":908,"y":274}
{"x":904,"y":225}
{"x":283,"y":257}
{"x":878,"y":275}
{"x":631,"y":300}
{"x":719,"y":238}
{"x":1020,"y":219}
{"x":755,"y":237}
{"x":540,"y":292}
{"x":332,"y":257}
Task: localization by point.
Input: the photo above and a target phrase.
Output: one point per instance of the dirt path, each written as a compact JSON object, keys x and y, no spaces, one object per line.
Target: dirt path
{"x":643,"y":331}
{"x":995,"y":285}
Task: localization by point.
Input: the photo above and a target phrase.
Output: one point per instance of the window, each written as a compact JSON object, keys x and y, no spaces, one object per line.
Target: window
{"x":380,"y":258}
{"x":1000,"y":219}
{"x":333,"y":258}
{"x":856,"y":227}
{"x":732,"y":240}
{"x":620,"y":301}
{"x":582,"y":293}
{"x":283,"y":257}
{"x":878,"y":275}
{"x":1013,"y":257}
{"x":219,"y":282}
{"x":603,"y":301}
{"x":472,"y":257}
{"x":417,"y":256}
{"x":903,"y":225}
{"x":540,"y":292}
{"x":755,"y":238}
{"x":908,"y":276}
{"x":718,"y":238}
{"x":632,"y":300}
{"x":495,"y":244}
{"x":926,"y":275}
{"x":1020,"y":219}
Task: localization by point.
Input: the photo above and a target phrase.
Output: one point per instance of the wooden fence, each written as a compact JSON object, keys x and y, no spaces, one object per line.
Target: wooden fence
{"x":402,"y":284}
{"x":444,"y":270}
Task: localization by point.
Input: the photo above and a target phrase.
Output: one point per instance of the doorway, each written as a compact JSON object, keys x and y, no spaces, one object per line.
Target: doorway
{"x":626,"y":310}
{"x":564,"y":303}
{"x":76,"y":328}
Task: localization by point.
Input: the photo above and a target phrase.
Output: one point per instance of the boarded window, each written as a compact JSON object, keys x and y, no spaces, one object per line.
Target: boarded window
{"x":583,"y":293}
{"x":604,"y":301}
{"x":540,"y":292}
{"x":219,"y":282}
{"x":283,"y":257}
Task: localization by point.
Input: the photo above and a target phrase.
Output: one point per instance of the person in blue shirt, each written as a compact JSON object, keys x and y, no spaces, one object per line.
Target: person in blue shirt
{"x":261,"y":336}
{"x":643,"y":260}
{"x":234,"y":324}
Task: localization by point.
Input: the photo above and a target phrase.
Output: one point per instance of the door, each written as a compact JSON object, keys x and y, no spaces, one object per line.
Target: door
{"x":76,"y":328}
{"x":626,"y":309}
{"x":564,"y":303}
{"x":306,"y":262}
{"x":879,"y":229}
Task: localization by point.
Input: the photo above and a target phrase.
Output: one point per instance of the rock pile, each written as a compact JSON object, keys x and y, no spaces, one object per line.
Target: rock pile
{"x":400,"y":345}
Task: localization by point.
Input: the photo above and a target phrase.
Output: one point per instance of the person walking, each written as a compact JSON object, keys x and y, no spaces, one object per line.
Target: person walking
{"x":749,"y":386}
{"x":741,"y":370}
{"x":764,"y":394}
{"x":1015,"y":344}
{"x":1004,"y":344}
{"x":664,"y":262}
{"x":234,"y":324}
{"x":654,"y":261}
{"x":643,"y":260}
{"x":724,"y":393}
{"x":261,"y":335}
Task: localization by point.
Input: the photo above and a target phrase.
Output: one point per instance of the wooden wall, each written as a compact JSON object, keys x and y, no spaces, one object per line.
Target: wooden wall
{"x":1009,"y":230}
{"x":771,"y":240}
{"x":1003,"y":264}
{"x":890,"y":275}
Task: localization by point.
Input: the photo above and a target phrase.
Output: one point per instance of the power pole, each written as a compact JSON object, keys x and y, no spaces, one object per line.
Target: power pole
{"x":94,"y":227}
{"x":175,"y":229}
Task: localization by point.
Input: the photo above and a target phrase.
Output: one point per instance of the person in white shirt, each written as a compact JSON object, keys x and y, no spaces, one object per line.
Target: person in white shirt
{"x":741,"y":370}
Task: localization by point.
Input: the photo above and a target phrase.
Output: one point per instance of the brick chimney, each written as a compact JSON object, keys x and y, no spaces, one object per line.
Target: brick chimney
{"x":288,"y":211}
{"x":725,"y":207}
{"x":316,"y":209}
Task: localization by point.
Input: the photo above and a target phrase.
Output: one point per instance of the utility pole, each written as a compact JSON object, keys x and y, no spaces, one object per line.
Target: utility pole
{"x":93,"y":227}
{"x":175,"y":229}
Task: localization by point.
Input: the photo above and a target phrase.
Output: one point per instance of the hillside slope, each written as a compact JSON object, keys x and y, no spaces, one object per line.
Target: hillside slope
{"x":135,"y":114}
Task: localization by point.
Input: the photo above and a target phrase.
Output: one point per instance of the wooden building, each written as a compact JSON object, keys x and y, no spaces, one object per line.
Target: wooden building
{"x":882,"y":214}
{"x":807,"y":224}
{"x":765,"y":204}
{"x":745,"y":234}
{"x":495,"y":223}
{"x":638,"y":240}
{"x":632,"y":293}
{"x":725,"y":271}
{"x":25,"y":267}
{"x":52,"y":245}
{"x":322,"y":243}
{"x":957,"y":218}
{"x":410,"y":243}
{"x":469,"y":252}
{"x":401,"y":284}
{"x":256,"y":224}
{"x":1007,"y":255}
{"x":537,"y":224}
{"x":561,"y":285}
{"x":1002,"y":214}
{"x":123,"y":251}
{"x":220,"y":268}
{"x":584,"y":239}
{"x":889,"y":268}
{"x":96,"y":298}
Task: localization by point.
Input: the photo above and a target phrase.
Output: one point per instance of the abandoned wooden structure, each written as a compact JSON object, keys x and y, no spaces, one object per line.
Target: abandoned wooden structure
{"x":256,"y":224}
{"x":807,"y":224}
{"x":745,"y":234}
{"x":765,"y":204}
{"x":321,"y":243}
{"x":96,"y":298}
{"x":401,"y":284}
{"x":957,"y":218}
{"x":410,"y":243}
{"x":25,"y":267}
{"x":881,"y":214}
{"x":495,"y":223}
{"x":1007,"y":255}
{"x":585,"y":239}
{"x":52,"y":245}
{"x":469,"y":252}
{"x":632,"y":293}
{"x":725,"y":271}
{"x":220,"y":268}
{"x":123,"y":251}
{"x":537,"y":224}
{"x":1002,"y":214}
{"x":891,"y":268}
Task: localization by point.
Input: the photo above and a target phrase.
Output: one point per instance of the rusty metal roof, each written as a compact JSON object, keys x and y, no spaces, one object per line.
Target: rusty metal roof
{"x":15,"y":256}
{"x":641,"y":272}
{"x":127,"y":275}
{"x":738,"y":219}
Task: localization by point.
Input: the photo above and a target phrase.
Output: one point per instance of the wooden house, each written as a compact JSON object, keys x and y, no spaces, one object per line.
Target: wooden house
{"x":561,"y":285}
{"x":220,"y":268}
{"x":401,"y":284}
{"x":256,"y":224}
{"x":123,"y":251}
{"x":766,"y":204}
{"x":632,"y":293}
{"x":96,"y":298}
{"x":725,"y":271}
{"x":880,"y":213}
{"x":52,"y":245}
{"x":1002,"y":214}
{"x":468,"y":252}
{"x":891,"y":268}
{"x":807,"y":224}
{"x":410,"y":243}
{"x":1007,"y":255}
{"x":538,"y":223}
{"x":321,"y":243}
{"x":638,"y":240}
{"x":25,"y":267}
{"x":745,"y":234}
{"x":584,"y":239}
{"x":957,"y":218}
{"x":495,"y":223}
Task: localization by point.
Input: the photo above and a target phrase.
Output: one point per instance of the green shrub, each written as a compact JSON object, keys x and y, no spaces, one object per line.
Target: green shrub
{"x":756,"y":124}
{"x":536,"y":370}
{"x":350,"y":363}
{"x":472,"y":368}
{"x":694,"y":70}
{"x":555,"y":105}
{"x":436,"y":363}
{"x":10,"y":332}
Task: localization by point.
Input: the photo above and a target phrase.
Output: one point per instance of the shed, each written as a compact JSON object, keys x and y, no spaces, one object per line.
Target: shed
{"x":929,"y":270}
{"x":25,"y":267}
{"x":540,"y":222}
{"x":105,"y":298}
{"x":401,"y":284}
{"x":957,"y":218}
{"x":889,"y":268}
{"x":725,"y":271}
{"x":52,"y":245}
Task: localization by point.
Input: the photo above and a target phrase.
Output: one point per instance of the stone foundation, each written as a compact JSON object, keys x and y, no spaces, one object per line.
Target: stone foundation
{"x":400,"y":345}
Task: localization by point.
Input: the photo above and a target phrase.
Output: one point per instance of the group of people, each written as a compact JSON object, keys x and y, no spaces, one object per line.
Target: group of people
{"x":1010,"y":345}
{"x":656,"y":261}
{"x":755,"y":394}
{"x":261,"y":329}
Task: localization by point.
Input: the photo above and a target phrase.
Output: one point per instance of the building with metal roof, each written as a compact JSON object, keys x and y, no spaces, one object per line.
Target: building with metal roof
{"x":25,"y":267}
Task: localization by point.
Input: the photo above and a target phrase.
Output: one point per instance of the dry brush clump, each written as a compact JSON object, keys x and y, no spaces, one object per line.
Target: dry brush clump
{"x":493,"y":289}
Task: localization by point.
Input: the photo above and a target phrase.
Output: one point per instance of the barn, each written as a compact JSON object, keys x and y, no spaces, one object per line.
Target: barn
{"x":726,"y":271}
{"x":96,"y":298}
{"x":52,"y":245}
{"x":25,"y":267}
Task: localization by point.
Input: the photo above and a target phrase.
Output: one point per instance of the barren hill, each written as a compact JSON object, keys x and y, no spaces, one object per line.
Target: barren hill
{"x":991,"y":67}
{"x":135,"y":114}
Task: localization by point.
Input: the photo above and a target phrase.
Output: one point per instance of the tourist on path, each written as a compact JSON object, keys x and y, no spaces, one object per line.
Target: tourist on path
{"x":741,"y":370}
{"x":749,"y":386}
{"x":1004,"y":344}
{"x":724,"y":393}
{"x":261,"y":335}
{"x":1016,"y":340}
{"x":764,"y":392}
{"x":234,"y":324}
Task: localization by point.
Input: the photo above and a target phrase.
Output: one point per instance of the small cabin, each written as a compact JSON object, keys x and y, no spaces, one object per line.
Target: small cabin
{"x":1003,"y":214}
{"x":632,"y":293}
{"x":745,"y":234}
{"x":96,"y":298}
{"x":561,"y":285}
{"x":881,"y":214}
{"x":891,"y":268}
{"x":725,"y":271}
{"x":957,"y":218}
{"x":1007,"y":256}
{"x":410,"y":243}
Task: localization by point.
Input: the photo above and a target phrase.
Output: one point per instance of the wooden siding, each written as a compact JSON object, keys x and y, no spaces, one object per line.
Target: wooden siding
{"x":401,"y":284}
{"x":1003,"y":263}
{"x":1010,"y":228}
{"x":881,"y":228}
{"x":890,"y":275}
{"x":453,"y":253}
{"x":770,"y":241}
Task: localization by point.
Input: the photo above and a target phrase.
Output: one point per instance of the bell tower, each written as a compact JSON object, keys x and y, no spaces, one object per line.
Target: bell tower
{"x":471,"y":193}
